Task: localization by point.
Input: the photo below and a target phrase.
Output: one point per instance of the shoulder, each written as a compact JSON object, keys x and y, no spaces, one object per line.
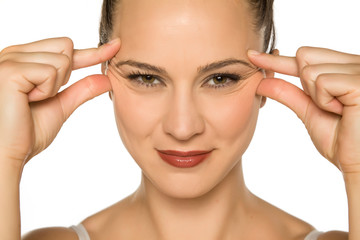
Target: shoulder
{"x":292,"y":227}
{"x":53,"y":233}
{"x":334,"y":235}
{"x":94,"y":225}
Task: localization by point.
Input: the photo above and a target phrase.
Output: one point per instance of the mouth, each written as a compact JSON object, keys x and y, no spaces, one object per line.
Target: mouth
{"x":183,"y":159}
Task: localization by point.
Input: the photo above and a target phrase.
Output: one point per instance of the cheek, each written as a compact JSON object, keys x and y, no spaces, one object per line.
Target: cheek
{"x":233,"y":117}
{"x":137,"y":114}
{"x":230,"y":117}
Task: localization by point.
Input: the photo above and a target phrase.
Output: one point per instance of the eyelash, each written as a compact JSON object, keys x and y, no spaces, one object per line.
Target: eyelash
{"x":234,"y":78}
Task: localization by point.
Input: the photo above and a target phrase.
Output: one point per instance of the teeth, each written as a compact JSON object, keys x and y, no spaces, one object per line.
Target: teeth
{"x":183,"y":160}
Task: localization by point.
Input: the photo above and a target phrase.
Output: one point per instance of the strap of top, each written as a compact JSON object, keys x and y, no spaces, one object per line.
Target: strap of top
{"x":81,"y":232}
{"x":313,"y":235}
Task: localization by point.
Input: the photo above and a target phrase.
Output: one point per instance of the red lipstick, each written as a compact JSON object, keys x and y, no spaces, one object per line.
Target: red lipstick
{"x":183,"y":159}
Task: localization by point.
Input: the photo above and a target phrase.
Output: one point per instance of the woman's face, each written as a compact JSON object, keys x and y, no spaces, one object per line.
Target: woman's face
{"x":200,"y":92}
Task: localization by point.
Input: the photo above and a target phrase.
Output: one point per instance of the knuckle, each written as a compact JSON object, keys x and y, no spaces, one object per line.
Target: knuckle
{"x":321,"y":97}
{"x":303,"y":53}
{"x":6,"y":64}
{"x":307,"y":73}
{"x":321,"y":81}
{"x":7,"y":69}
{"x":8,"y":49}
{"x":53,"y":93}
{"x":300,"y":52}
{"x":321,"y":101}
{"x":51,"y":72}
{"x":67,"y":43}
{"x":7,"y":56}
{"x":47,"y":86}
{"x":65,"y":62}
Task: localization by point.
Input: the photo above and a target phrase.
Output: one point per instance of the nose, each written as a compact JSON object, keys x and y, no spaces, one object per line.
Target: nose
{"x":183,"y":120}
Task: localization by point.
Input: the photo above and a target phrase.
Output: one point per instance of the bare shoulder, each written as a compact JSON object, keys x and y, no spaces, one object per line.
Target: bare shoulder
{"x":94,"y":225}
{"x":53,"y":233}
{"x":334,"y":235}
{"x":295,"y":228}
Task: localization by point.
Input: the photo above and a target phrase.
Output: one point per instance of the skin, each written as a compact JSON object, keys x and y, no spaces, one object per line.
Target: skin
{"x":180,"y":115}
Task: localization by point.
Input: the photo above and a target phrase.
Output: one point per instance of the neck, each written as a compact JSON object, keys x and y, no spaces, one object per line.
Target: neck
{"x":214,"y":215}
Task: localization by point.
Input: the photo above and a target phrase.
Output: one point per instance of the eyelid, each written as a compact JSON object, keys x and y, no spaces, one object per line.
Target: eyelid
{"x":252,"y":72}
{"x":232,"y":76}
{"x":138,"y":73}
{"x":242,"y":76}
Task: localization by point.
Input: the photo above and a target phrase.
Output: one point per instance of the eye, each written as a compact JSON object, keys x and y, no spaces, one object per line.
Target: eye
{"x":216,"y":81}
{"x":145,"y":80}
{"x":222,"y":80}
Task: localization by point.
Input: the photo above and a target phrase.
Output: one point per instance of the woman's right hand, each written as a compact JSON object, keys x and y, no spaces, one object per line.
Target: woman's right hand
{"x":31,"y":109}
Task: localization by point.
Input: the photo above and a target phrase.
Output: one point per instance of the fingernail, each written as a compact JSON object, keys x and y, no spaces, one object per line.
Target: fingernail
{"x":253,"y":52}
{"x":112,"y":42}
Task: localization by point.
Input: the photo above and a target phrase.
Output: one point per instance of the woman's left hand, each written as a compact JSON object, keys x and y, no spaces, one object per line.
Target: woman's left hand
{"x":328,"y":105}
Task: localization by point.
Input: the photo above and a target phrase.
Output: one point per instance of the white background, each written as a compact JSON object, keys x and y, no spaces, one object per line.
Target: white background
{"x":87,"y":168}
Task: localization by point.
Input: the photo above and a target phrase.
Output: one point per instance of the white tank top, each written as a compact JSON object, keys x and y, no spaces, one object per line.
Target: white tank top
{"x":83,"y":234}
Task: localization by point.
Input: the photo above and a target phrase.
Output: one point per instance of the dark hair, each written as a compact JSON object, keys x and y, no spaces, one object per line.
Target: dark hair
{"x":263,"y":10}
{"x":264,"y":20}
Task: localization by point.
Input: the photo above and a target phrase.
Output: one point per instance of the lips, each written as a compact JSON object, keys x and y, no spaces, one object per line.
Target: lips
{"x":183,"y":159}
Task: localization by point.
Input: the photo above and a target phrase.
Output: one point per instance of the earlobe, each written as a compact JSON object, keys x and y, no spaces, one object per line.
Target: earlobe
{"x":263,"y":101}
{"x":103,"y":68}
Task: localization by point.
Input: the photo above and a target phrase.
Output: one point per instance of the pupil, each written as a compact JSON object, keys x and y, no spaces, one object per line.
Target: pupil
{"x":219,"y":79}
{"x":148,"y":78}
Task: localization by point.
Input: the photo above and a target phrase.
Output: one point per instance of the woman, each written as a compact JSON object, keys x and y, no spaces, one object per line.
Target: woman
{"x":201,"y":89}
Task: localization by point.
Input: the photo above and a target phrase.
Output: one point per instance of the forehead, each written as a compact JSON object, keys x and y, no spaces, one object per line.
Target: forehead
{"x":189,"y":27}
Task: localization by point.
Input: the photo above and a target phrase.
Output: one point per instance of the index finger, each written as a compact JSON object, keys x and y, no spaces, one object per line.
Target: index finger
{"x":88,"y":57}
{"x":304,"y":56}
{"x":279,"y":64}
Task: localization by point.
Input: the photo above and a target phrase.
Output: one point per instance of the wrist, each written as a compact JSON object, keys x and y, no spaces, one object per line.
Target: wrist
{"x":352,"y":178}
{"x":10,"y":168}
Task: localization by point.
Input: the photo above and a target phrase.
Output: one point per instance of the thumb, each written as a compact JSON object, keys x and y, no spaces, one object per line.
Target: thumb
{"x":285,"y":93}
{"x":83,"y":91}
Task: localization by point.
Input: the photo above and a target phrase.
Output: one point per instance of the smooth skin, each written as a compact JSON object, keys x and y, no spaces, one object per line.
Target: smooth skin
{"x":300,"y":102}
{"x":35,"y":72}
{"x":183,"y":112}
{"x":277,"y":89}
{"x":32,"y":111}
{"x":329,"y":106}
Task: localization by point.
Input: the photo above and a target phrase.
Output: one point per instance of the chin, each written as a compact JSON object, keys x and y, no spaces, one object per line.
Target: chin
{"x":187,"y":184}
{"x":182,"y":191}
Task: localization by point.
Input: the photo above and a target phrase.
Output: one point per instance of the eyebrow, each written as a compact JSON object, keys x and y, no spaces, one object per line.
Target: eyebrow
{"x":201,"y":69}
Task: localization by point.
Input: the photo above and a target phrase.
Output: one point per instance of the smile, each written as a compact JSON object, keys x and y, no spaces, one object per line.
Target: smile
{"x":183,"y":159}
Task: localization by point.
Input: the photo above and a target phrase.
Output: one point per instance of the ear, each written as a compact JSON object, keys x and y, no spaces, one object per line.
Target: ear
{"x":269,"y":74}
{"x":263,"y":101}
{"x":104,"y":67}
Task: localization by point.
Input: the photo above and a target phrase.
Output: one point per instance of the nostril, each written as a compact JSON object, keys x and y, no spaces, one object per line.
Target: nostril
{"x":183,"y":128}
{"x":182,"y":119}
